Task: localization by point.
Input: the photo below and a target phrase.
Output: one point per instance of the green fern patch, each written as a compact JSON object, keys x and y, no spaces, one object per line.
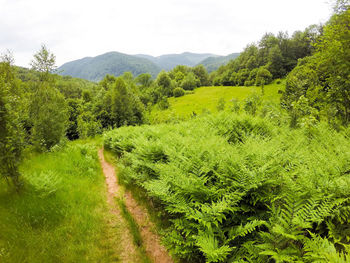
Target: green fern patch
{"x":241,"y":188}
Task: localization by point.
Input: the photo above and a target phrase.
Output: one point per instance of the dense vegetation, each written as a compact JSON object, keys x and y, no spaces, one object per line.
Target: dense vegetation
{"x":273,"y":57}
{"x":238,"y":188}
{"x":61,"y":213}
{"x":320,"y":83}
{"x":263,"y":179}
{"x":271,"y":188}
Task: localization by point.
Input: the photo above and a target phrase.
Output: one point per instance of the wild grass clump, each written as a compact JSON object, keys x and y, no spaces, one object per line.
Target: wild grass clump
{"x":60,"y":213}
{"x":241,"y":188}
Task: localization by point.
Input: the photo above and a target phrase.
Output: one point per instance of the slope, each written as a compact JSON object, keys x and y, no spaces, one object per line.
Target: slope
{"x":206,"y":99}
{"x":169,"y":61}
{"x":114,"y":63}
{"x":213,"y":63}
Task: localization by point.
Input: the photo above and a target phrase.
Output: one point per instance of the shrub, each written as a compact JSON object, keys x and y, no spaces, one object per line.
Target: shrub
{"x":163,"y":103}
{"x":221,"y":104}
{"x":178,"y":92}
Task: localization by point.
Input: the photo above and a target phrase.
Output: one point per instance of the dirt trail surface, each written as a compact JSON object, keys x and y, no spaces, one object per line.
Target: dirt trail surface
{"x":151,"y":241}
{"x":126,"y":248}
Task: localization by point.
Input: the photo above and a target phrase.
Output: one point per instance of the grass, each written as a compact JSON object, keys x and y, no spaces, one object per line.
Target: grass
{"x":206,"y":99}
{"x":154,"y":209}
{"x":132,"y":225}
{"x":61,"y":214}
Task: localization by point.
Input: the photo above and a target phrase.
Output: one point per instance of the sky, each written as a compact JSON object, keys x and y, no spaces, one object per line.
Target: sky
{"x":73,"y":29}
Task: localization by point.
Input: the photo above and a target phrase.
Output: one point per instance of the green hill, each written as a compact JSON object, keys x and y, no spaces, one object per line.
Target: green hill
{"x":169,"y":61}
{"x":114,"y":63}
{"x":213,"y":63}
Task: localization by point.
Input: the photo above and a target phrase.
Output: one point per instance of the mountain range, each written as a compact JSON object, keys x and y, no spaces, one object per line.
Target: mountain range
{"x":116,"y":63}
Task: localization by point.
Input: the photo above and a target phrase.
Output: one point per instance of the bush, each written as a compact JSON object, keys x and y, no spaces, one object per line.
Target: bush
{"x":163,"y":104}
{"x":178,"y":92}
{"x":221,"y":104}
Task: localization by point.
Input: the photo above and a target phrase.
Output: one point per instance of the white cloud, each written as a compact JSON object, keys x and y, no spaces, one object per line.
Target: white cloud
{"x":75,"y":29}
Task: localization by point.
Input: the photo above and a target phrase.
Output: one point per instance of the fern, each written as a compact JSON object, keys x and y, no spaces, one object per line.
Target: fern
{"x":209,"y":245}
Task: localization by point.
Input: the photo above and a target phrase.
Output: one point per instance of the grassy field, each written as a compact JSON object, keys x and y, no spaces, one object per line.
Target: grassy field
{"x":206,"y":99}
{"x":61,"y":214}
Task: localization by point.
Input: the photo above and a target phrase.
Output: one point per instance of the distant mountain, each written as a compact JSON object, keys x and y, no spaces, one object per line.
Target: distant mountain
{"x":114,"y":63}
{"x":169,"y":61}
{"x":213,"y":63}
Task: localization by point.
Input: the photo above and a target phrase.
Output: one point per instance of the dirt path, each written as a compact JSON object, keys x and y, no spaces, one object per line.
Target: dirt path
{"x":151,"y":241}
{"x":126,"y":248}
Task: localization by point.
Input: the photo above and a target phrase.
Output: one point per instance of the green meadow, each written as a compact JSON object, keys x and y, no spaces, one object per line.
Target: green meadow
{"x":60,"y":213}
{"x":206,"y":99}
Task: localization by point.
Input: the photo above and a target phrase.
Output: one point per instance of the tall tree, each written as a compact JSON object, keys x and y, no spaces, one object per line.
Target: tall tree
{"x":44,"y":62}
{"x":333,"y":56}
{"x":11,"y":132}
{"x":49,"y":114}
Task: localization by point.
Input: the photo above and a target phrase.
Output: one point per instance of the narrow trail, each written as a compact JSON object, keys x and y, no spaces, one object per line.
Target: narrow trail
{"x":127,"y":249}
{"x":151,"y":241}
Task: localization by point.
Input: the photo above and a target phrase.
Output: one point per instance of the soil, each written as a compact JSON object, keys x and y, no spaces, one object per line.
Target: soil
{"x":151,"y":241}
{"x":126,"y":249}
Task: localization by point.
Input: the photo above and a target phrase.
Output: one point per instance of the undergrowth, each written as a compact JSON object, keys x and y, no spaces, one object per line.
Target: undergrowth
{"x":236,"y":188}
{"x":60,"y":214}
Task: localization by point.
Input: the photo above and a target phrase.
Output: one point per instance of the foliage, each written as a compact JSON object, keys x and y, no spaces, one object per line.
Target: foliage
{"x":241,"y":188}
{"x":87,"y":125}
{"x":278,"y":54}
{"x":324,"y":77}
{"x":60,"y":214}
{"x":221,"y":104}
{"x":48,"y":113}
{"x":11,"y":129}
{"x":178,"y":92}
{"x":44,"y":62}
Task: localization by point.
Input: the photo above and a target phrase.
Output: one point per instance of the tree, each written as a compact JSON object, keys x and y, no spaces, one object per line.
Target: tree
{"x":178,"y":92}
{"x":125,"y":107}
{"x":263,"y":76}
{"x":202,"y":74}
{"x":333,"y":58}
{"x":87,"y":125}
{"x":164,"y":82}
{"x":190,"y":82}
{"x":275,"y":64}
{"x":144,"y":80}
{"x":11,"y":131}
{"x":44,"y":62}
{"x":49,"y":114}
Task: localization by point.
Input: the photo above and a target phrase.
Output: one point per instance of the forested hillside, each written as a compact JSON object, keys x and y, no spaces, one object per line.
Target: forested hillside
{"x":113,"y":63}
{"x":274,"y":56}
{"x":169,"y":61}
{"x":213,"y":63}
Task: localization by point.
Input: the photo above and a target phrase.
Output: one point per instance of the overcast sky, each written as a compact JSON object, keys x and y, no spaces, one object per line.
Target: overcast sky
{"x":73,"y":29}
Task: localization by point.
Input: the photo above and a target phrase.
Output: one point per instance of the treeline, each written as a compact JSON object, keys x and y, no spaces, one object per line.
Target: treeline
{"x":319,"y":86}
{"x":274,"y":56}
{"x":39,"y":109}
